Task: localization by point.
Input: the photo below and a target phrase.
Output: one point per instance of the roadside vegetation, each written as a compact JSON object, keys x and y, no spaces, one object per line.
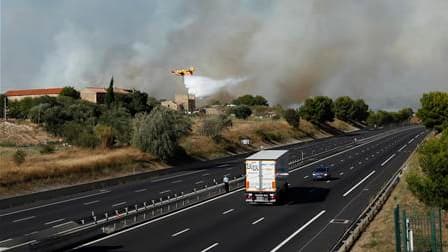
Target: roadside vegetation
{"x":145,"y":136}
{"x":426,"y":179}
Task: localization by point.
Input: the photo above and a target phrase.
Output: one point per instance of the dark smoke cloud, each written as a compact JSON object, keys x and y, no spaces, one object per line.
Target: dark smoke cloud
{"x":387,"y":52}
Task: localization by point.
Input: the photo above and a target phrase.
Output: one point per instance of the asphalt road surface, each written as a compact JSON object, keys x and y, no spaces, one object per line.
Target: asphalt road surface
{"x":27,"y":221}
{"x":316,"y":214}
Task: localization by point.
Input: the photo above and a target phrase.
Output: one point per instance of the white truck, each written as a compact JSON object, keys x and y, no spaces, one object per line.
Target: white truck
{"x":267,"y":176}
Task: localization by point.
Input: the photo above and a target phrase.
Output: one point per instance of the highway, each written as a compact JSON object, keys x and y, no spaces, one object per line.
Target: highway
{"x":27,"y":221}
{"x":315,"y":216}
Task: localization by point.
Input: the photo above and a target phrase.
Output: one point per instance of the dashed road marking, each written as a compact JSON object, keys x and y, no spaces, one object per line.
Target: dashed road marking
{"x":140,"y":190}
{"x":119,"y":204}
{"x":90,"y":202}
{"x":24,"y":219}
{"x":210,"y":247}
{"x":180,"y":232}
{"x":255,"y":222}
{"x":228,"y":211}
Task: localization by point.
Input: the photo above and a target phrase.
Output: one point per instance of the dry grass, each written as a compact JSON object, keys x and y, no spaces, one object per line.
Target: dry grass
{"x":341,"y":125}
{"x":262,"y":132}
{"x":23,"y":133}
{"x":380,"y":236}
{"x":70,"y":166}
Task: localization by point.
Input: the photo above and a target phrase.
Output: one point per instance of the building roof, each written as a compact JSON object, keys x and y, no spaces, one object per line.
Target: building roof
{"x":104,"y":90}
{"x":267,"y":155}
{"x":41,"y":91}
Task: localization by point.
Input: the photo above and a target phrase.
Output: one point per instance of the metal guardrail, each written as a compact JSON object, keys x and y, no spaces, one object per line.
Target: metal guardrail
{"x":98,"y":225}
{"x":348,"y":239}
{"x":112,"y":221}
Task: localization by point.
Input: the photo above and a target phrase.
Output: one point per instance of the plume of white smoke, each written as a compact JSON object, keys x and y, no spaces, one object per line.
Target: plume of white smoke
{"x":203,"y":86}
{"x":387,"y":52}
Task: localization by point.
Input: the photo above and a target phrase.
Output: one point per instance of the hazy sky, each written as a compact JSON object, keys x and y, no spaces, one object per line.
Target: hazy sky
{"x":387,"y":52}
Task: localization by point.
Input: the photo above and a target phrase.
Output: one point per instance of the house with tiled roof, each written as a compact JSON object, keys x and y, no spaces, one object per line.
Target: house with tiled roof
{"x":17,"y":95}
{"x":98,"y":94}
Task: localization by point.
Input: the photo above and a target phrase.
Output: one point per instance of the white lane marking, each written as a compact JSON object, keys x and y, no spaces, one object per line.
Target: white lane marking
{"x":35,"y":232}
{"x":52,"y":222}
{"x":177,"y":181}
{"x":360,"y":182}
{"x":199,"y":182}
{"x":62,"y":224}
{"x":176,"y":176}
{"x":159,"y":219}
{"x":166,"y":191}
{"x":387,"y":160}
{"x":404,"y":146}
{"x":228,"y":211}
{"x":54,"y":203}
{"x":180,"y":232}
{"x":351,"y":168}
{"x":328,"y":181}
{"x":206,"y":174}
{"x":140,"y":190}
{"x":228,"y":174}
{"x":341,"y":173}
{"x":91,"y":202}
{"x":279,"y":246}
{"x":410,"y":141}
{"x":24,"y":219}
{"x":255,"y":222}
{"x":210,"y":247}
{"x":7,"y":240}
{"x":119,"y":204}
{"x":306,"y":176}
{"x":228,"y":169}
{"x":21,"y":244}
{"x":212,"y":199}
{"x":223,"y":165}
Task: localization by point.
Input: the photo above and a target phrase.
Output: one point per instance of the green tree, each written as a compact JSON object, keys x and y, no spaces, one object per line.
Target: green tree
{"x":344,"y":108}
{"x":292,"y":117}
{"x":119,"y":120}
{"x":3,"y":98}
{"x":250,"y":100}
{"x":434,"y":110}
{"x":110,"y":96}
{"x":431,"y":187}
{"x":70,"y":92}
{"x":242,"y":111}
{"x":159,"y":132}
{"x":317,"y":110}
{"x":360,"y":111}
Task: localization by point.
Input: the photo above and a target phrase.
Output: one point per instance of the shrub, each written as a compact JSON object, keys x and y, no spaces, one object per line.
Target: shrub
{"x":46,"y":149}
{"x":159,"y":132}
{"x":19,"y":157}
{"x":292,"y":117}
{"x":242,"y":111}
{"x":267,"y":136}
{"x":213,"y":126}
{"x":318,"y":109}
{"x":105,"y":135}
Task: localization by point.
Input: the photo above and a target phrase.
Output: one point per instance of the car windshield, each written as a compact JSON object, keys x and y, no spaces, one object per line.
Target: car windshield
{"x":322,"y":169}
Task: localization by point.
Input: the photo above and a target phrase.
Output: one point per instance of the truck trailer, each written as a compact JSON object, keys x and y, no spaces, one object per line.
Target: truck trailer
{"x":267,"y":174}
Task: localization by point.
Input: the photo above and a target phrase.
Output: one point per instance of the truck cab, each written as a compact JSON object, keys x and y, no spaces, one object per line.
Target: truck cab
{"x":267,"y":174}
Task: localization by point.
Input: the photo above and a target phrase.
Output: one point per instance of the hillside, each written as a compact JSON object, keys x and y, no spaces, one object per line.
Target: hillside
{"x":67,"y":165}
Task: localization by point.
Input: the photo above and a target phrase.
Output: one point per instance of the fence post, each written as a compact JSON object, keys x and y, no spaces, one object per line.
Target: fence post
{"x":433,"y":231}
{"x":397,"y":229}
{"x":405,"y":232}
{"x":440,"y":229}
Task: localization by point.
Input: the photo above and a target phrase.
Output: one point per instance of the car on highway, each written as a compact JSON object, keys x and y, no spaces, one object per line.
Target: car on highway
{"x":321,"y":172}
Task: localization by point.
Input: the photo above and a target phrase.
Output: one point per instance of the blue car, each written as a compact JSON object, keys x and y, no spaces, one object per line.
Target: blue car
{"x":322,"y":172}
